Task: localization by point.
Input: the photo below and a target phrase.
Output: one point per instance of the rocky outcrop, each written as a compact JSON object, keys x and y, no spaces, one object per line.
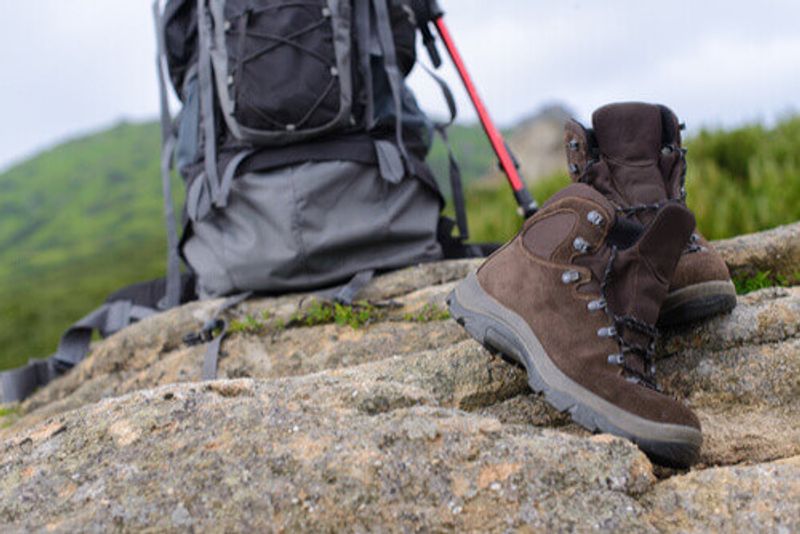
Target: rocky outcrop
{"x":401,"y":423}
{"x":776,"y":251}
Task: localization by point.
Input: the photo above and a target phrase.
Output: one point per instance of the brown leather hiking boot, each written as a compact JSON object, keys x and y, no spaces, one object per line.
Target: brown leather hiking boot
{"x":573,"y":298}
{"x":634,"y":157}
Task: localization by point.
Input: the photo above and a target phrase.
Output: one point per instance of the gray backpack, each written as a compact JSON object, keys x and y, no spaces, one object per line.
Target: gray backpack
{"x":301,"y":148}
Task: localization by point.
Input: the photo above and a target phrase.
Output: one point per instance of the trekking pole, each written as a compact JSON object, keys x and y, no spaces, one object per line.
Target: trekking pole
{"x":429,"y":10}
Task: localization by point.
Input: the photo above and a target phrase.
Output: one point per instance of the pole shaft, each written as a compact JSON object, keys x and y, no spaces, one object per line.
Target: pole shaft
{"x":495,"y":138}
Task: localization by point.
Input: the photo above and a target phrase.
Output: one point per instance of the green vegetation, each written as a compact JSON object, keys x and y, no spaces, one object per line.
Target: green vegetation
{"x":76,"y":223}
{"x":318,"y":313}
{"x":428,"y":314}
{"x":745,"y":180}
{"x":356,"y":316}
{"x":85,"y":218}
{"x":764,"y":279}
{"x":251,"y":325}
{"x":8,"y":416}
{"x":493,"y":215}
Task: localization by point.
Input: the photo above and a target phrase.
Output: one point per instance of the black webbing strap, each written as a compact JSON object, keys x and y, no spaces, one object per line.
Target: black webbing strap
{"x":456,"y":182}
{"x":456,"y":186}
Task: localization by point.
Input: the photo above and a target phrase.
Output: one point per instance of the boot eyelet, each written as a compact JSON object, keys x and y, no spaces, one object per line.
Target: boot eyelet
{"x":570,"y":277}
{"x":595,"y":218}
{"x":574,"y":145}
{"x":616,"y":359}
{"x":608,"y":331}
{"x":573,"y":168}
{"x":581,"y":245}
{"x":596,"y":305}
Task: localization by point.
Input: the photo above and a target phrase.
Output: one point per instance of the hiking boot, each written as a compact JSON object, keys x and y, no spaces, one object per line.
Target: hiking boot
{"x":573,"y":298}
{"x":634,"y":157}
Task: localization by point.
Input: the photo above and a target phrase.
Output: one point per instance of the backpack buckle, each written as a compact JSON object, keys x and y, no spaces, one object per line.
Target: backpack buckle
{"x":206,"y":335}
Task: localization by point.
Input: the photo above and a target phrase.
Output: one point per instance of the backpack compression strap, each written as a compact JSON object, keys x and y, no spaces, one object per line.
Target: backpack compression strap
{"x":213,"y":333}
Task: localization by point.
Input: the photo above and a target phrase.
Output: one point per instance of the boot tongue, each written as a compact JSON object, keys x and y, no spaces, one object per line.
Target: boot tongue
{"x":640,"y":279}
{"x":629,"y":132}
{"x":641,"y":273}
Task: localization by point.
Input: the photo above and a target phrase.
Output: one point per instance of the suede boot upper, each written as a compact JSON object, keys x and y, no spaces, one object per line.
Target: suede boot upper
{"x":590,"y":286}
{"x":633,"y":156}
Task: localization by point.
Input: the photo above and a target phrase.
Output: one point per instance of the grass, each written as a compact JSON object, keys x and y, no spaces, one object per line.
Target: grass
{"x":745,"y":180}
{"x":9,"y":415}
{"x":763,"y":280}
{"x":428,"y":314}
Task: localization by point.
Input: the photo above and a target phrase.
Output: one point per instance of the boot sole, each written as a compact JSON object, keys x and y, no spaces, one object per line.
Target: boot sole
{"x":501,"y":330}
{"x":697,"y":302}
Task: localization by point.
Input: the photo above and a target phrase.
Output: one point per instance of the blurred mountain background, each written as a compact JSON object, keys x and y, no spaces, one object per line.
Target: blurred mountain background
{"x":84,"y":218}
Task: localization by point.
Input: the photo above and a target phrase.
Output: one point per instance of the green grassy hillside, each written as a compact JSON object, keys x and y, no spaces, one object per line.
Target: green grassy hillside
{"x":76,"y":222}
{"x":83,"y":219}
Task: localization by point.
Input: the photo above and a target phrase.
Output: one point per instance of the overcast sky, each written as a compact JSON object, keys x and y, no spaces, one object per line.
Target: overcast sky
{"x":74,"y":66}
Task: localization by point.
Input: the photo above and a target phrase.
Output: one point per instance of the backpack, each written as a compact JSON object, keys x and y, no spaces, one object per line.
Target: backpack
{"x":302,"y":153}
{"x":301,"y":148}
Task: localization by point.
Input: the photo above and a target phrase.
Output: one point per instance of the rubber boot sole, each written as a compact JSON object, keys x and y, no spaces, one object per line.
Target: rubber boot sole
{"x":502,"y":330}
{"x":697,"y":302}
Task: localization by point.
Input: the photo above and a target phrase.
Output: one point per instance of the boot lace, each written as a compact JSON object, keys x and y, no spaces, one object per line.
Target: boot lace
{"x":629,"y":211}
{"x":621,"y":323}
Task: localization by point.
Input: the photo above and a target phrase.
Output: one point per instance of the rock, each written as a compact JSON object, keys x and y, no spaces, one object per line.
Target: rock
{"x":776,"y":251}
{"x":756,"y":498}
{"x":402,"y":422}
{"x":741,"y":373}
{"x":311,"y":459}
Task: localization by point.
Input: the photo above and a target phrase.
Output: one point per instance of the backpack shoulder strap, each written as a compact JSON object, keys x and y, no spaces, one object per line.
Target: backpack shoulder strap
{"x":383,"y":30}
{"x":206,"y":87}
{"x":173,"y":288}
{"x":363,"y":23}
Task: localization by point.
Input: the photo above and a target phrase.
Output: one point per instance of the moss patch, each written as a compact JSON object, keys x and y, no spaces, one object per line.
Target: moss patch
{"x":428,"y":314}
